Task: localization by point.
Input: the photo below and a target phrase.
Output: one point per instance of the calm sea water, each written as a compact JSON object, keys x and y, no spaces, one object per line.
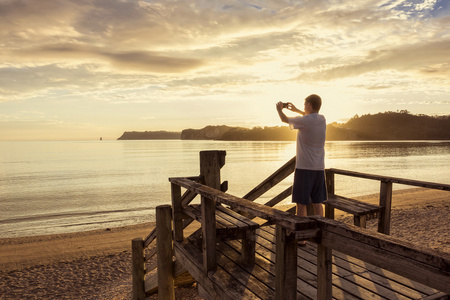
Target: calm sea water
{"x":63,"y":186}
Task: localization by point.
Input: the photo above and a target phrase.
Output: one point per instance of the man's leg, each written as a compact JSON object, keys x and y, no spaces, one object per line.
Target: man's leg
{"x":301,"y":210}
{"x":318,"y":209}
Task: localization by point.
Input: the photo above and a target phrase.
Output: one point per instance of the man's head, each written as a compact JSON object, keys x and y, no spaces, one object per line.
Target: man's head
{"x":313,"y":103}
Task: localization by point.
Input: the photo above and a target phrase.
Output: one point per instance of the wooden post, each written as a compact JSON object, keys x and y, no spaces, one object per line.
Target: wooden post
{"x":384,"y":220}
{"x":329,"y":177}
{"x":360,"y":221}
{"x":138,"y":268}
{"x":248,"y":247}
{"x":210,"y":164}
{"x":285,"y":265}
{"x":208,"y":208}
{"x":177,"y":210}
{"x":324,"y":272}
{"x":164,"y":250}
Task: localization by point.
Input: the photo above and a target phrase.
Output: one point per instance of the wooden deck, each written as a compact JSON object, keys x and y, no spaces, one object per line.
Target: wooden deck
{"x":352,"y":278}
{"x":241,"y":249}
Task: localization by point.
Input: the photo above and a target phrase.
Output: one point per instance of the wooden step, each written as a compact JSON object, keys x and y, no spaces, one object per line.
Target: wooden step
{"x":230,"y":226}
{"x":361,"y":211}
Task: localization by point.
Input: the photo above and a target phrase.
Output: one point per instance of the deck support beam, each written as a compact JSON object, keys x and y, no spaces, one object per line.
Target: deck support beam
{"x":138,"y":271}
{"x":329,"y":178}
{"x":164,"y":251}
{"x":384,"y":220}
{"x":177,"y":211}
{"x":208,"y":208}
{"x":285,"y":265}
{"x":324,"y":272}
{"x":210,"y":164}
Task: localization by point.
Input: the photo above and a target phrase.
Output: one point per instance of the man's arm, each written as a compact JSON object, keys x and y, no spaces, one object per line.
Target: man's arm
{"x":292,"y":107}
{"x":283,"y":117}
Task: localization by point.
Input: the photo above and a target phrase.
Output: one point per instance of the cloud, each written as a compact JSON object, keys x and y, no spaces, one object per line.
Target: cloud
{"x":420,"y":58}
{"x":147,"y":61}
{"x":160,"y":52}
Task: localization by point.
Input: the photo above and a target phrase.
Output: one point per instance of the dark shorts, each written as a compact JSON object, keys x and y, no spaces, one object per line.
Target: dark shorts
{"x":309,"y":186}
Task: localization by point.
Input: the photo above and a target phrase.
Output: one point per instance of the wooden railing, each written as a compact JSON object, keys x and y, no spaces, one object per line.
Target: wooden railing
{"x":408,"y":260}
{"x":377,"y":249}
{"x":386,"y":185}
{"x":385,"y":195}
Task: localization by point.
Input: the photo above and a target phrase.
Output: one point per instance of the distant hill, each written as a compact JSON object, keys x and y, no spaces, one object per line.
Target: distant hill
{"x":392,"y":126}
{"x":207,"y":133}
{"x":382,"y":126}
{"x":150,"y":135}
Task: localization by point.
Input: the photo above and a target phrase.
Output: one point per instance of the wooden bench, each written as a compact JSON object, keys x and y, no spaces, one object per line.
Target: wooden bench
{"x":361,"y":211}
{"x":231,"y":226}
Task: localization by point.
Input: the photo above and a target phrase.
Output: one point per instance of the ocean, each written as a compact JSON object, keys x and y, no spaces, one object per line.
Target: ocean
{"x":52,"y":187}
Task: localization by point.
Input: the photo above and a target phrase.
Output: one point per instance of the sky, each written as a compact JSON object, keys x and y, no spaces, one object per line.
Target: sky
{"x":84,"y":69}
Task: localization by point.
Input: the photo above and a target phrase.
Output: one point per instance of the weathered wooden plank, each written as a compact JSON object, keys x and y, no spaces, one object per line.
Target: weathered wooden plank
{"x":352,"y":206}
{"x":243,"y":276}
{"x":388,"y":253}
{"x":177,"y":212}
{"x":384,"y":221}
{"x":285,"y":265}
{"x":263,"y":269}
{"x":208,"y":208}
{"x":324,"y":271}
{"x":307,"y":268}
{"x":220,"y":283}
{"x":346,"y":266}
{"x":224,"y":229}
{"x":280,"y":217}
{"x":239,"y":222}
{"x":378,"y":280}
{"x":187,"y":198}
{"x":164,"y":252}
{"x":286,"y":170}
{"x":436,"y":296}
{"x":306,"y":234}
{"x":150,"y":254}
{"x":236,"y":218}
{"x":349,"y":267}
{"x":210,"y":164}
{"x":150,"y":238}
{"x":138,"y":272}
{"x":248,"y":247}
{"x":342,"y":259}
{"x":329,"y":178}
{"x":151,"y":266}
{"x":425,"y":184}
{"x":194,"y":211}
{"x":234,"y":226}
{"x":280,"y":197}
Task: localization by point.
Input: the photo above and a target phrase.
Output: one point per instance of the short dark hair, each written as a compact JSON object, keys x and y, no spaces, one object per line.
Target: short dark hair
{"x":315,"y":101}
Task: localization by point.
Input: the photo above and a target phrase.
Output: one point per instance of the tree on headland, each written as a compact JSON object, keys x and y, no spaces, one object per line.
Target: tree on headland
{"x":400,"y":125}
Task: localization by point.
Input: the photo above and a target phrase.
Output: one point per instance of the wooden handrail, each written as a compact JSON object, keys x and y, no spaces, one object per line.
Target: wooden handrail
{"x":283,"y":172}
{"x":403,"y":258}
{"x":285,"y":219}
{"x":406,"y":259}
{"x":425,"y":184}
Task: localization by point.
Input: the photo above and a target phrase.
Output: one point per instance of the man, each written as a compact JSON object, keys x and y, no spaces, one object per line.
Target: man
{"x":309,"y":178}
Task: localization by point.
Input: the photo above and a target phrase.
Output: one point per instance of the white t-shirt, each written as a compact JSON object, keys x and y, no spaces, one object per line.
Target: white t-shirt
{"x":310,"y":141}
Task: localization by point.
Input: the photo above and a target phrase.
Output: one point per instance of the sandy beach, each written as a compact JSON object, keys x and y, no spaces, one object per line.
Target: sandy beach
{"x":97,"y":264}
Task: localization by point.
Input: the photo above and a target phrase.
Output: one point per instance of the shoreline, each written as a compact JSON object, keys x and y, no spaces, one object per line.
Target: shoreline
{"x":97,"y":264}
